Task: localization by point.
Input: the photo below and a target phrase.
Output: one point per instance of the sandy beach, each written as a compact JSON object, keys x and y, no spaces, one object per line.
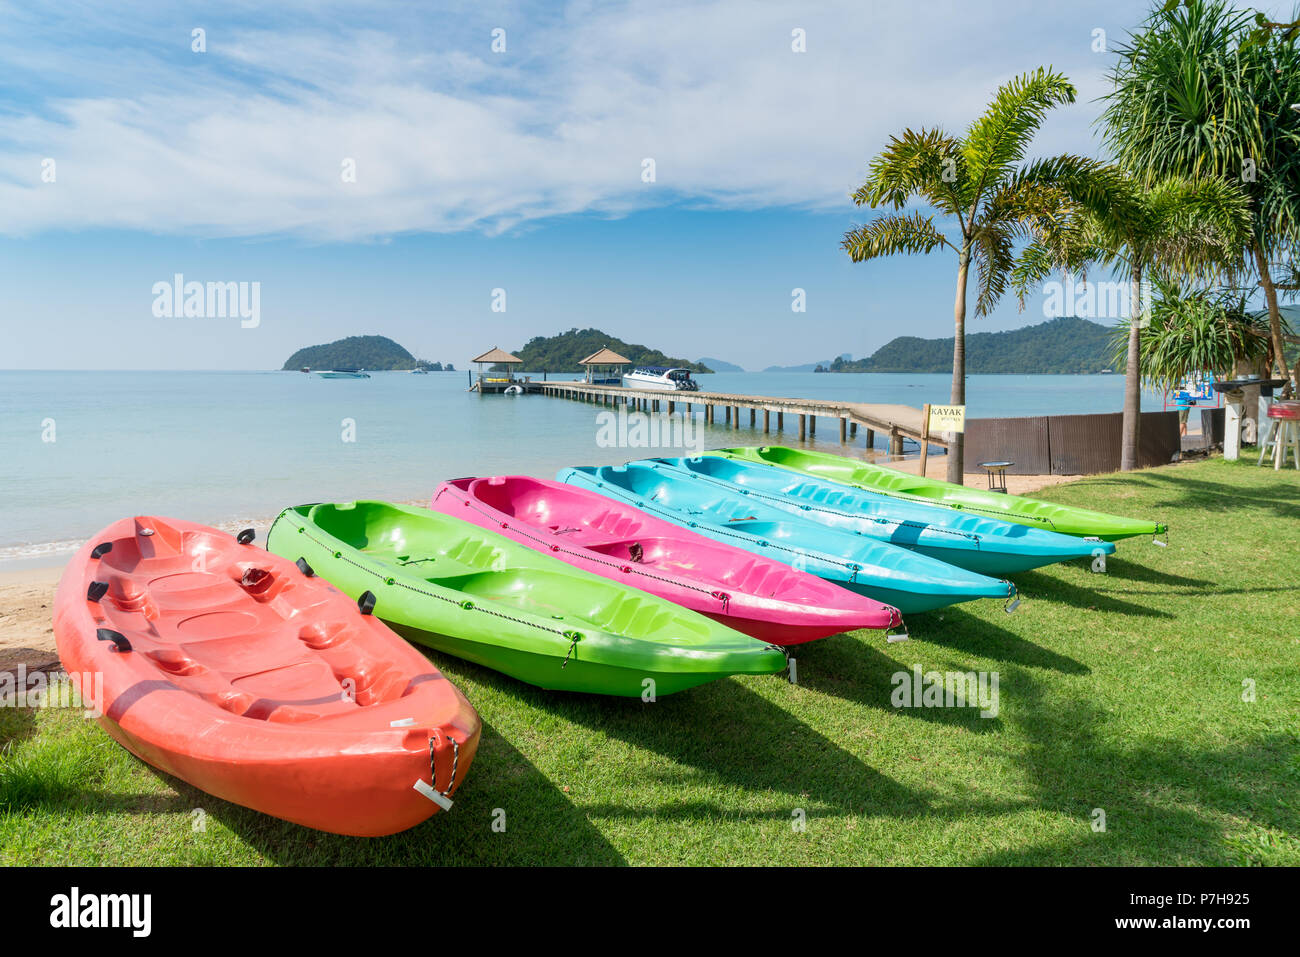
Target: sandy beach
{"x":27,"y":594}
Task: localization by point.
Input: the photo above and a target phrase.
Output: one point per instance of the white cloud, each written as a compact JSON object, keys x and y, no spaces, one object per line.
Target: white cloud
{"x":446,"y":135}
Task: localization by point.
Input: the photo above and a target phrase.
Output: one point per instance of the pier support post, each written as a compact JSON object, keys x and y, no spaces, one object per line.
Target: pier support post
{"x":735,"y":419}
{"x":767,"y":420}
{"x":671,"y":405}
{"x":844,"y":431}
{"x":726,"y":415}
{"x":853,"y":430}
{"x":780,"y":421}
{"x":803,"y":425}
{"x":752,"y":413}
{"x":895,"y":442}
{"x":871,"y":438}
{"x":812,"y":425}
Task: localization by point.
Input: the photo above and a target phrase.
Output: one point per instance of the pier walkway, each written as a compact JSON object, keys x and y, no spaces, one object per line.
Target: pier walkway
{"x":894,"y":421}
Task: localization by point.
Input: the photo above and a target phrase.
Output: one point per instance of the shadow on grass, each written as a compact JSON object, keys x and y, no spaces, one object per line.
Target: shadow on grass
{"x":1164,"y":799}
{"x":541,"y":825}
{"x":962,"y":631}
{"x":731,"y":736}
{"x":853,"y":670}
{"x":1036,"y":585}
{"x":1124,"y":568}
{"x":1275,"y":492}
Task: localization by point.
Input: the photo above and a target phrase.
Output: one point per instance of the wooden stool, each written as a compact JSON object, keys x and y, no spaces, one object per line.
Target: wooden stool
{"x":997,"y":473}
{"x":1283,"y":434}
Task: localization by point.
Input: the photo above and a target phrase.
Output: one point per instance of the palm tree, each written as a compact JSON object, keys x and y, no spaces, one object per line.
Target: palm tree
{"x":1198,"y":330}
{"x":1202,"y":92}
{"x":1189,"y":227}
{"x":978,"y":181}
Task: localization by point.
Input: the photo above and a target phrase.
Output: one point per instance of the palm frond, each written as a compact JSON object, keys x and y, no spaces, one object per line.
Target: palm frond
{"x":994,"y":255}
{"x":894,"y":233}
{"x":928,"y":164}
{"x":997,"y":140}
{"x":1194,"y":331}
{"x":1200,"y":226}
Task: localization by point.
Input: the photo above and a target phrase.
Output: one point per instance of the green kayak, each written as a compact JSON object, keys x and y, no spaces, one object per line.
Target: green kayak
{"x":475,"y":594}
{"x":885,"y":481}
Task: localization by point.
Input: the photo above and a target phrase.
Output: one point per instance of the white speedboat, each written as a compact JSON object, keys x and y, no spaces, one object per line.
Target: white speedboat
{"x":662,"y":378}
{"x":344,"y":374}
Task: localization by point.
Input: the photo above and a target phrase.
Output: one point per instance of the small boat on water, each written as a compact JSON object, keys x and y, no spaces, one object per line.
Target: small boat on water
{"x":759,"y":596}
{"x":472,"y":593}
{"x":1066,"y":519}
{"x":344,"y":374}
{"x":908,"y":581}
{"x":660,"y":377}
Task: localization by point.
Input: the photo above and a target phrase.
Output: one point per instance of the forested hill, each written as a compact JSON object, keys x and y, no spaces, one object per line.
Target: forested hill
{"x":562,"y":353}
{"x":376,"y":353}
{"x":1060,"y":346}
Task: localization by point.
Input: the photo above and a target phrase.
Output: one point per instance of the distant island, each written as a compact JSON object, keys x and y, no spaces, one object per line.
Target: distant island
{"x":373,"y":353}
{"x":564,"y":352}
{"x":717,"y":365}
{"x":808,"y":366}
{"x":1066,"y":346}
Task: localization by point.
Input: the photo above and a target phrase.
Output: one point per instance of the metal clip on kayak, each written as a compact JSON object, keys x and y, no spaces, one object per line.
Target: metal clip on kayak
{"x":430,"y":790}
{"x":1013,"y":600}
{"x":246,"y":536}
{"x":304,"y":567}
{"x":366,"y":603}
{"x":892,"y":636}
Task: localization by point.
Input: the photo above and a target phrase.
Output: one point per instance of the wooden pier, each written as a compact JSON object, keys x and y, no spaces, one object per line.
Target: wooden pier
{"x":895,"y":422}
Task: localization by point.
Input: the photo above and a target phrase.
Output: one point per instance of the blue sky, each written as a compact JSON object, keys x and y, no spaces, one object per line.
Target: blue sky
{"x":477,"y":170}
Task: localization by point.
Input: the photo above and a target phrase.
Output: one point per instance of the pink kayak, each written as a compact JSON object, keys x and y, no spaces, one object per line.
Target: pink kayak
{"x":752,"y":594}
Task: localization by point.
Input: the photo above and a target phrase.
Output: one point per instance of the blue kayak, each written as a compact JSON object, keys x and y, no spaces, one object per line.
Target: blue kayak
{"x":989,"y":546}
{"x":907,"y":580}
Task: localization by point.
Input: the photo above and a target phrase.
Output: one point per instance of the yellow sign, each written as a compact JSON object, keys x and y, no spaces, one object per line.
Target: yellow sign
{"x":947,"y":418}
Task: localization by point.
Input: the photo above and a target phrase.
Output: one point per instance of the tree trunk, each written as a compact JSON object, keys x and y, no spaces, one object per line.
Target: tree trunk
{"x":1128,"y":456}
{"x":1274,"y":314}
{"x":956,"y":458}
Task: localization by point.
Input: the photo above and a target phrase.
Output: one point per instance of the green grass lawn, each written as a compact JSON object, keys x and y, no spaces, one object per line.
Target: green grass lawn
{"x":1121,"y":692}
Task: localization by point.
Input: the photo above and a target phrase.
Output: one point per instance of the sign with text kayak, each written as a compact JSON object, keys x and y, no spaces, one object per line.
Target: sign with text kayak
{"x":947,"y":418}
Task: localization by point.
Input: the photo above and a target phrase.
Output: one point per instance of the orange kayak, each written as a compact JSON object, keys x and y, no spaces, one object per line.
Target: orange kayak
{"x":240,"y":672}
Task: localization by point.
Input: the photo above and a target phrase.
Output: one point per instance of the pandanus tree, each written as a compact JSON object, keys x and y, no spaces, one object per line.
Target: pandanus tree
{"x":1184,"y":227}
{"x":1195,"y":330}
{"x":1201,"y":91}
{"x":986,"y":198}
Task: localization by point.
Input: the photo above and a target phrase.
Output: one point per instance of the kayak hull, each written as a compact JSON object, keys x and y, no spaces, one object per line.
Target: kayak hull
{"x":256,"y":684}
{"x":881,"y":571}
{"x":469,"y":592}
{"x":985,"y":545}
{"x":757,"y":596}
{"x":1065,"y":519}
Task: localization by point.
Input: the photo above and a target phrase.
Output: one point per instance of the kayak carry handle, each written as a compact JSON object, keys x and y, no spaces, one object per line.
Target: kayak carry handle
{"x":96,"y":591}
{"x":246,"y":536}
{"x":102,"y":549}
{"x":304,"y":567}
{"x":116,"y":637}
{"x":366,"y":603}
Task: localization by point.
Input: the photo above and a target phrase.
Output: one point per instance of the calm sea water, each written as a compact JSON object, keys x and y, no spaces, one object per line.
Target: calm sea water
{"x":220,"y":447}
